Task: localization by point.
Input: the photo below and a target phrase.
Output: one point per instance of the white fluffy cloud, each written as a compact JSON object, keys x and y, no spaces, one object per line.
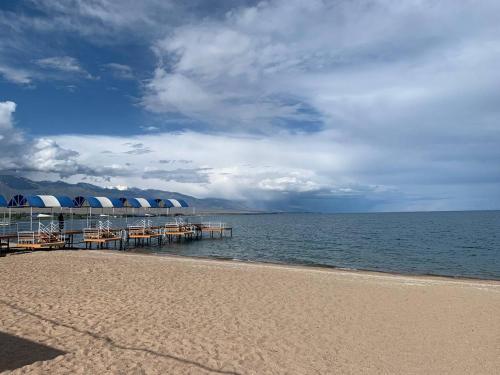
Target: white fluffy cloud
{"x":357,"y":66}
{"x":285,"y":166}
{"x":6,"y":115}
{"x":20,"y":153}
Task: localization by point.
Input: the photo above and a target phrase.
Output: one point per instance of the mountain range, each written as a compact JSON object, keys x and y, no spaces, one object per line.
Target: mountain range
{"x":11,"y":185}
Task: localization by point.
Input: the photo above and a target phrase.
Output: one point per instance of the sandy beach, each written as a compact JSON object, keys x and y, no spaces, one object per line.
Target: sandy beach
{"x":95,"y":312}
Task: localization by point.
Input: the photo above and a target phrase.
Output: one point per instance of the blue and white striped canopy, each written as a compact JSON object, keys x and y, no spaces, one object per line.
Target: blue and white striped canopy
{"x":48,"y":201}
{"x":66,"y":201}
{"x":183,"y":203}
{"x":43,"y":201}
{"x":17,"y":201}
{"x":40,"y":201}
{"x":100,"y":202}
{"x":141,"y":203}
{"x":51,"y":201}
{"x":175,"y":203}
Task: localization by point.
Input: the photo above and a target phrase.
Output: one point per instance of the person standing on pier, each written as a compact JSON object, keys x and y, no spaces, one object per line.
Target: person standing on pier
{"x":60,"y":218}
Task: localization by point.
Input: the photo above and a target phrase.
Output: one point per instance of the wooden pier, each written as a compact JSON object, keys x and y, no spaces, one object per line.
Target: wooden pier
{"x":143,"y":235}
{"x":213,"y":229}
{"x":29,"y":240}
{"x":102,"y":238}
{"x":120,"y":238}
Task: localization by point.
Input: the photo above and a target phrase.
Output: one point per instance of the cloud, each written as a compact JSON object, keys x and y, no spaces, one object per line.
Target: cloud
{"x":171,"y":161}
{"x":405,"y":91}
{"x":15,"y":75}
{"x":7,"y":110}
{"x":293,"y":182}
{"x":65,"y":64}
{"x":316,"y":167}
{"x":354,"y":66}
{"x":111,"y":22}
{"x":10,"y":138}
{"x":137,"y":149}
{"x":315,"y":171}
{"x":41,"y":155}
{"x":120,"y":71}
{"x":182,"y":175}
{"x":150,"y":128}
{"x":390,"y":105}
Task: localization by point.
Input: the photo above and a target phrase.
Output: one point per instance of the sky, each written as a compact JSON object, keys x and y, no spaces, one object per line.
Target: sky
{"x":331,"y":106}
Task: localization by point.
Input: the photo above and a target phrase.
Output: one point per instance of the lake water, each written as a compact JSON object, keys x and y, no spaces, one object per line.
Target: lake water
{"x":438,"y":243}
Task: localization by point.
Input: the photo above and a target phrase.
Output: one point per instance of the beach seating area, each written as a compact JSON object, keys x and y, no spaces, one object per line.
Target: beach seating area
{"x":101,"y":235}
{"x":50,"y":222}
{"x":46,"y":237}
{"x":143,"y":232}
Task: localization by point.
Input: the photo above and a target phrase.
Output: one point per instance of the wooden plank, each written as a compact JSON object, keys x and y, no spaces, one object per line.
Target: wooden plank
{"x":145,"y":235}
{"x":102,"y":240}
{"x":47,"y":245}
{"x":178,"y":233}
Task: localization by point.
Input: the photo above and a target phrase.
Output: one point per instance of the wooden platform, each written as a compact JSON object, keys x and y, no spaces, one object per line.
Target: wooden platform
{"x":195,"y":231}
{"x":37,"y":246}
{"x":102,"y":240}
{"x":179,"y":233}
{"x":152,"y":235}
{"x":215,"y":229}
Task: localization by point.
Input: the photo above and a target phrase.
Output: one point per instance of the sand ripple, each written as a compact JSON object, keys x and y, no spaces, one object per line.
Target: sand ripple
{"x":132,"y":314}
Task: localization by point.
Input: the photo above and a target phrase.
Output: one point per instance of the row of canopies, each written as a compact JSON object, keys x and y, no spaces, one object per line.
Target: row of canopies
{"x":51,"y":201}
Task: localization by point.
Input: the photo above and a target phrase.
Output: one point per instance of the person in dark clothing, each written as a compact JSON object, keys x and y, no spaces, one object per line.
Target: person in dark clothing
{"x":61,"y":222}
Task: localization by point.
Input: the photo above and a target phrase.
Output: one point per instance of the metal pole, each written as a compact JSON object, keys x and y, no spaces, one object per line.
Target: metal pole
{"x":31,"y":218}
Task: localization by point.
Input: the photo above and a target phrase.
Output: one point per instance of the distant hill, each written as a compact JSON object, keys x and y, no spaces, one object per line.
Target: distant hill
{"x":11,"y":185}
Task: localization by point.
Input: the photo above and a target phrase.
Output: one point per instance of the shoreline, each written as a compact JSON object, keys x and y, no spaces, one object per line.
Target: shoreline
{"x":323,"y":267}
{"x":310,"y":266}
{"x":305,"y":266}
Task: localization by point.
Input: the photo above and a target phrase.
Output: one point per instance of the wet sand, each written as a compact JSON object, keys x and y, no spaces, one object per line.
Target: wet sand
{"x":95,"y":312}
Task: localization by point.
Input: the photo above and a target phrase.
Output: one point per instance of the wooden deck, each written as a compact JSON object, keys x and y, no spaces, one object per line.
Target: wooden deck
{"x":102,"y":240}
{"x":196,"y":231}
{"x":179,"y":233}
{"x":38,"y":246}
{"x":147,"y":235}
{"x":222,"y":230}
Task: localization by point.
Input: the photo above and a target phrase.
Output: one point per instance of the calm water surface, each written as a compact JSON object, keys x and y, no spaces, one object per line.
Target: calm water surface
{"x":439,"y":243}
